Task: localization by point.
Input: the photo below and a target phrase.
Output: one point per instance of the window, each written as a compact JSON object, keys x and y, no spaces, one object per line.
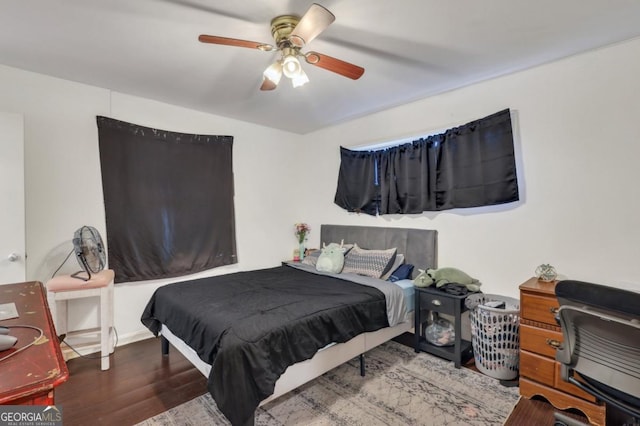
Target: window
{"x":168,"y":201}
{"x":468,"y":166}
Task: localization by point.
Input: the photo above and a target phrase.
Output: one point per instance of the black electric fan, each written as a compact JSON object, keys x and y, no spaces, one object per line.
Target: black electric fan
{"x":89,"y":249}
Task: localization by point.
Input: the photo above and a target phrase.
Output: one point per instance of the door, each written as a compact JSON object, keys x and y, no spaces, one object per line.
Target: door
{"x":12,"y":214}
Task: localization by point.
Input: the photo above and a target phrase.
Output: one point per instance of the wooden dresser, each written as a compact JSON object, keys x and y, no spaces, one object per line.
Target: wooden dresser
{"x":29,"y":377}
{"x":540,"y":335}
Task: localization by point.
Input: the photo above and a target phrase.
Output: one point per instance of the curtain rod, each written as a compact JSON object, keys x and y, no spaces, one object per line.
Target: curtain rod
{"x":402,"y":140}
{"x":373,"y":146}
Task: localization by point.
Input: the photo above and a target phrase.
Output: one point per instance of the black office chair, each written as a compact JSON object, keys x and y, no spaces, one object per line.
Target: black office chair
{"x":601,"y":342}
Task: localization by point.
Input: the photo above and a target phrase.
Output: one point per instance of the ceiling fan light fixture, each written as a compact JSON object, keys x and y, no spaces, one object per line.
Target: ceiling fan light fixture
{"x":274,"y":72}
{"x":291,"y":66}
{"x":300,"y":80}
{"x":291,"y":33}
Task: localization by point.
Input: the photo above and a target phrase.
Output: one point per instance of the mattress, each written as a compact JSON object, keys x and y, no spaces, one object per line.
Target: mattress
{"x":408,"y":293}
{"x":252,"y":325}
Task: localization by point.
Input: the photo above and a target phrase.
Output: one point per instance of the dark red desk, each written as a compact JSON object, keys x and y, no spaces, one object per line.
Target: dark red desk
{"x":29,"y":377}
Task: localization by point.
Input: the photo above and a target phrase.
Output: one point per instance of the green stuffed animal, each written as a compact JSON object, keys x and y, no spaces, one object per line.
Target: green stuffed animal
{"x":422,"y":279}
{"x":443,"y":276}
{"x":332,"y":258}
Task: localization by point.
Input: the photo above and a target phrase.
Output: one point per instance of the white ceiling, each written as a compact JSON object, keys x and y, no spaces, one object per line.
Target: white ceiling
{"x":410,"y":49}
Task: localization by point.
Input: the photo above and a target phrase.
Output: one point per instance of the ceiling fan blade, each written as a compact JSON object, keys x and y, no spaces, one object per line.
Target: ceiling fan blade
{"x":338,"y":66}
{"x":234,"y":42}
{"x":315,"y":21}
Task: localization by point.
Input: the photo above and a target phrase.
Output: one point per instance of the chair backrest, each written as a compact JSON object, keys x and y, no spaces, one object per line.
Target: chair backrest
{"x":601,"y":341}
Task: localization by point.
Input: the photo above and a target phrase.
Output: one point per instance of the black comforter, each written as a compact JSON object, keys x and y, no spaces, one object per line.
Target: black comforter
{"x":252,"y":325}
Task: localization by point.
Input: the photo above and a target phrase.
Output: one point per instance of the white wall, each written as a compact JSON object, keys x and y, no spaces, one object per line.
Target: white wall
{"x":576,"y":130}
{"x":64,"y":191}
{"x":576,"y":125}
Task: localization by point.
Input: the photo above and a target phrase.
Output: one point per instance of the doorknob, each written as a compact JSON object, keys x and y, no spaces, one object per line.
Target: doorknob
{"x":13,"y":257}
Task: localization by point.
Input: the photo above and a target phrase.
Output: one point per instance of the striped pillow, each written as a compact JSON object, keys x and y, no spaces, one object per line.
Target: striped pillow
{"x":372,"y":263}
{"x":399,"y":260}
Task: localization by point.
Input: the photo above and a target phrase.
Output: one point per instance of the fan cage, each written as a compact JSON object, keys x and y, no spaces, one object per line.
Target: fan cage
{"x":89,"y":250}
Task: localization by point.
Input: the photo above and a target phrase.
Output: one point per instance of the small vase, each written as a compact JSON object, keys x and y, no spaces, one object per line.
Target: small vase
{"x":301,"y":251}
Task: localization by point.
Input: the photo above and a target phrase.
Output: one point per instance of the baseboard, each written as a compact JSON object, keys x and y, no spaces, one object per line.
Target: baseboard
{"x":85,"y":348}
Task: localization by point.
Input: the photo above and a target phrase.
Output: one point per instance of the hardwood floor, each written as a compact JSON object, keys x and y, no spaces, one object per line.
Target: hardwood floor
{"x":142,"y":383}
{"x":534,"y":412}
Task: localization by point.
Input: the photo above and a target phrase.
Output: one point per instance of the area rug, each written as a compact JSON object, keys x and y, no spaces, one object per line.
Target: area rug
{"x":400,"y":388}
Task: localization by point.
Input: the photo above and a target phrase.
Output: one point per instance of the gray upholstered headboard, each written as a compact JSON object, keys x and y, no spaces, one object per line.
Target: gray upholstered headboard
{"x":420,"y":246}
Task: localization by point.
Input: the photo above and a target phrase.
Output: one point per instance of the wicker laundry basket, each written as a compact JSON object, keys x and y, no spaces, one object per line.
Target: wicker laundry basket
{"x":495,"y":323}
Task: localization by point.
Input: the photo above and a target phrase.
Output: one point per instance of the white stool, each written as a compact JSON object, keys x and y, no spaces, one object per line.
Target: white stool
{"x":65,"y":287}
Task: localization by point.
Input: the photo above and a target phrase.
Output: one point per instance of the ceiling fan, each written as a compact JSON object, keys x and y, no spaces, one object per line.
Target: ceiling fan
{"x":291,"y":33}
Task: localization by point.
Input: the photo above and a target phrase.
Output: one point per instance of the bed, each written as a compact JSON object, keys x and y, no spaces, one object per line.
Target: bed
{"x":257,"y":335}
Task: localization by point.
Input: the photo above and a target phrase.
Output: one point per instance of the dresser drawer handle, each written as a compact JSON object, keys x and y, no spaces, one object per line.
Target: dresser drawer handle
{"x":553,"y":343}
{"x":554,"y":310}
{"x":436,"y":302}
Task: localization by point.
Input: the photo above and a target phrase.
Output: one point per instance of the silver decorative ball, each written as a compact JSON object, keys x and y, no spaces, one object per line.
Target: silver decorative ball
{"x":546,"y":272}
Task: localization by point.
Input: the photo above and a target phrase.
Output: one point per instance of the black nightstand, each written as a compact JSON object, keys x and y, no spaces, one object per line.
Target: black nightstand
{"x":430,"y":299}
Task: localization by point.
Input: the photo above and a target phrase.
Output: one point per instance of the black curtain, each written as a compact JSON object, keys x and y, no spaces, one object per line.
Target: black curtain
{"x":469,"y":166}
{"x":357,"y":190}
{"x":168,"y":200}
{"x":407,"y":178}
{"x":476,"y":165}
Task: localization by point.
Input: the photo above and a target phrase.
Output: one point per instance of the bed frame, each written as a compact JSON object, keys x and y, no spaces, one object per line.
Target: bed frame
{"x":420,"y":249}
